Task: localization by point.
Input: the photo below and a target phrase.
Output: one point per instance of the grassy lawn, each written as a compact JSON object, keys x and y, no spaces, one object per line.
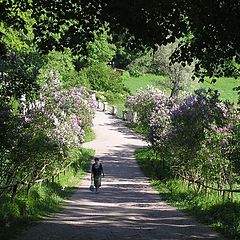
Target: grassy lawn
{"x":211,"y":209}
{"x":135,"y":83}
{"x":223,"y":85}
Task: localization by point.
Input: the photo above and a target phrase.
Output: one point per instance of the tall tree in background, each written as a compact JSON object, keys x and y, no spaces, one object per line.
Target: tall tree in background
{"x":19,"y":58}
{"x":180,"y":74}
{"x":212,"y":28}
{"x":101,"y":49}
{"x":29,"y":29}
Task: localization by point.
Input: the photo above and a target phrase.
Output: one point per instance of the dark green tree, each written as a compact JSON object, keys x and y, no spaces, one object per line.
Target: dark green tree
{"x":58,"y":23}
{"x":209,"y":29}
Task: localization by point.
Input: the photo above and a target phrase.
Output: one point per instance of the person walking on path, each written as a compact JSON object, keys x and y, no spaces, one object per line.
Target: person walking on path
{"x":97,"y":173}
{"x":129,"y":208}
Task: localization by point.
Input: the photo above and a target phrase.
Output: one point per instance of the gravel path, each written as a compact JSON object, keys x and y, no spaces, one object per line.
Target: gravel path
{"x":126,"y":208}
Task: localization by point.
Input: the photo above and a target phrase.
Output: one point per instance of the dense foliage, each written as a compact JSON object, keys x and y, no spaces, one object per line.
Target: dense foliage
{"x":100,"y":50}
{"x":205,"y":36}
{"x":200,"y":25}
{"x":62,"y":63}
{"x":196,"y":136}
{"x":105,"y":81}
{"x":57,"y":24}
{"x":141,"y":63}
{"x":46,"y":135}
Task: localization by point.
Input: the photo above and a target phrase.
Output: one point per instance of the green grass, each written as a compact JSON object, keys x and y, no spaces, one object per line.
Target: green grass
{"x":141,"y":130}
{"x":43,"y":200}
{"x":135,"y":83}
{"x":223,"y":85}
{"x":224,"y":216}
{"x":89,"y":135}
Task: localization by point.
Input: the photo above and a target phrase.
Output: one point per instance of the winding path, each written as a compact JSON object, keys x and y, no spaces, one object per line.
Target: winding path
{"x":126,"y":208}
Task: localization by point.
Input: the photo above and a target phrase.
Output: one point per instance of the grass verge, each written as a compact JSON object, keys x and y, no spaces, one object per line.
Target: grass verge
{"x":138,"y":128}
{"x":89,"y":135}
{"x":43,"y":200}
{"x":225,"y":87}
{"x":224,"y":216}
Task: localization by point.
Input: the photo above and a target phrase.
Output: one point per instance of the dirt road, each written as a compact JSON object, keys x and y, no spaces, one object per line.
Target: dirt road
{"x":126,"y":208}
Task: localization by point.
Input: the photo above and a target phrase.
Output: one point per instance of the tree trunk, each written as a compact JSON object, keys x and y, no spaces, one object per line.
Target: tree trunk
{"x":175,"y":91}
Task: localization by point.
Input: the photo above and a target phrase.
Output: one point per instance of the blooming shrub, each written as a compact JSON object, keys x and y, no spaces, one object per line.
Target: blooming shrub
{"x":47,"y":134}
{"x":196,"y":136}
{"x":143,"y":102}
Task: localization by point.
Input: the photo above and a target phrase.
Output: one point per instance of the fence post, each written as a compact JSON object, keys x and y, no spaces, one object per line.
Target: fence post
{"x":100,"y":106}
{"x":134,"y":117}
{"x":114,"y":110}
{"x":105,"y":106}
{"x":124,"y":115}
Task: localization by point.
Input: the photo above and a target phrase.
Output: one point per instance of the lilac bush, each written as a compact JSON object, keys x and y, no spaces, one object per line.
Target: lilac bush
{"x":48,"y":132}
{"x":143,"y":103}
{"x":193,"y":145}
{"x":66,"y":113}
{"x":217,"y":159}
{"x":197,"y":135}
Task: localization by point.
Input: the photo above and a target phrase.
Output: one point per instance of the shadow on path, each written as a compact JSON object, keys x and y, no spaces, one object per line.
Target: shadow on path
{"x":126,"y":208}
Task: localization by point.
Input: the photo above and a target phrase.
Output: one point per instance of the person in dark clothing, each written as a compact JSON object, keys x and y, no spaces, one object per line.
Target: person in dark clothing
{"x":97,"y":173}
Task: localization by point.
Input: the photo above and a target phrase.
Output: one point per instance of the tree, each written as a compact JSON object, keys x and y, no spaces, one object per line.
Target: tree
{"x":180,"y":74}
{"x":100,"y":50}
{"x":212,"y":28}
{"x":141,"y":63}
{"x":30,"y":28}
{"x":19,"y":60}
{"x":59,"y":24}
{"x":126,"y":50}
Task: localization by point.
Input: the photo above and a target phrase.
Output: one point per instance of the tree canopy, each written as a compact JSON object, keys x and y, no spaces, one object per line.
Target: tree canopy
{"x":210,"y":30}
{"x":58,"y":24}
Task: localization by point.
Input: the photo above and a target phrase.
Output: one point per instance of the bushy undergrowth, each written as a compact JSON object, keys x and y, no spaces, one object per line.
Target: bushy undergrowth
{"x":43,"y":199}
{"x":222,"y":215}
{"x":108,"y":83}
